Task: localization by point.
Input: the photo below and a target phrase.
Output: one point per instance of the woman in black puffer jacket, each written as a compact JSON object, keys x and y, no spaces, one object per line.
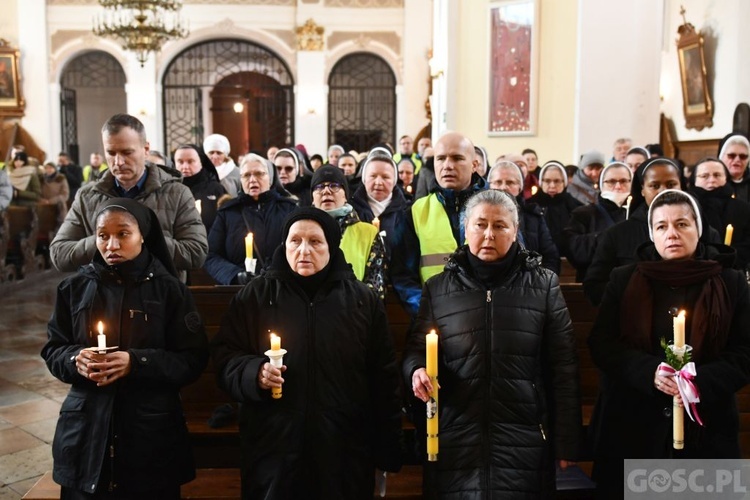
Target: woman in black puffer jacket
{"x":508,"y":369}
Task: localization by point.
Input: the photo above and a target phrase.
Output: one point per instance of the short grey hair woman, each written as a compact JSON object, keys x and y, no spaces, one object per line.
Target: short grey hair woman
{"x":507,"y":361}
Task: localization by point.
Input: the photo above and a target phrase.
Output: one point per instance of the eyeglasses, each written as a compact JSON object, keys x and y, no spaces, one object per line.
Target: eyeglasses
{"x":334,"y":187}
{"x":287,"y":169}
{"x":258,"y":175}
{"x":732,"y":156}
{"x":614,"y":182}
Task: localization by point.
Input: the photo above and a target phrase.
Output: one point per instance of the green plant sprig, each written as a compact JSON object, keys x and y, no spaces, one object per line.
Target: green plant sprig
{"x":672,"y":359}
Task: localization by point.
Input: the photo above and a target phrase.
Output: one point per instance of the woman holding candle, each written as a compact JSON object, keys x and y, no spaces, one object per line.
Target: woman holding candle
{"x":260,"y":209}
{"x":121,"y":431}
{"x":633,"y":415}
{"x":379,"y":197}
{"x":339,"y":415}
{"x":722,"y":210}
{"x":363,"y":246}
{"x":509,"y":401}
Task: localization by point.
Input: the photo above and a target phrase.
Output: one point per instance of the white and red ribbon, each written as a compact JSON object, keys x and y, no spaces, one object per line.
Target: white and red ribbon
{"x":688,"y":390}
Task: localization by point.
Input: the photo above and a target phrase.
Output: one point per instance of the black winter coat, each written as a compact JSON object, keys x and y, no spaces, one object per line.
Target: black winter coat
{"x":339,"y":416}
{"x":206,"y":188}
{"x":741,"y":189}
{"x":140,"y":416}
{"x":634,"y":420}
{"x":535,"y":234}
{"x":300,"y":188}
{"x":226,"y":241}
{"x":557,"y":210}
{"x":509,"y":400}
{"x":720,"y":209}
{"x":582,"y":233}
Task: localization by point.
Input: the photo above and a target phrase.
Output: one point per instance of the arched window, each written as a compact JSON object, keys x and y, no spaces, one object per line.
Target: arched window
{"x":92,"y":89}
{"x":361,"y":102}
{"x":241,"y":89}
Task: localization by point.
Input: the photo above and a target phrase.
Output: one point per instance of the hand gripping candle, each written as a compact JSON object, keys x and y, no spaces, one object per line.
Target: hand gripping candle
{"x":432,"y":404}
{"x":678,"y":414}
{"x":276,"y":355}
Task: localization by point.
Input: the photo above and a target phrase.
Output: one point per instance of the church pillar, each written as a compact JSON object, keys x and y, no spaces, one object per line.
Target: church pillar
{"x":416,"y":44}
{"x":444,"y":66}
{"x":311,"y":102}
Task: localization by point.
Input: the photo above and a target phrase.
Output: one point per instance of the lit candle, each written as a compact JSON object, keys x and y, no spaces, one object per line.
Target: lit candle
{"x":376,"y":223}
{"x":678,"y":415}
{"x":277,"y":361}
{"x":409,"y":189}
{"x":627,"y":207}
{"x":249,"y":246}
{"x":101,"y":338}
{"x":198,"y":206}
{"x":432,"y":404}
{"x":728,"y":235}
{"x":534,"y":189}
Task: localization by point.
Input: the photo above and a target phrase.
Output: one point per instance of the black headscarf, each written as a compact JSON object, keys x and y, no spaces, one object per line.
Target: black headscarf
{"x":206,"y":163}
{"x":148,"y":224}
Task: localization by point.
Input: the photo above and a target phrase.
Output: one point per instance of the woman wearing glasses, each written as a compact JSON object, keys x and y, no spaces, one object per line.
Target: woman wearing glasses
{"x":293,"y":176}
{"x":588,"y":222}
{"x":734,"y":153}
{"x":714,"y":193}
{"x":260,"y":209}
{"x":554,"y":200}
{"x":363,"y":247}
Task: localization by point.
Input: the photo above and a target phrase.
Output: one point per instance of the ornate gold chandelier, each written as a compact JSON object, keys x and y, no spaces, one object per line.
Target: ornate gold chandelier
{"x":139,"y":25}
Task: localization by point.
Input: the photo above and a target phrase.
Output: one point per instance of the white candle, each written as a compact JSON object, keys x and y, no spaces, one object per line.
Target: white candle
{"x":101,"y":338}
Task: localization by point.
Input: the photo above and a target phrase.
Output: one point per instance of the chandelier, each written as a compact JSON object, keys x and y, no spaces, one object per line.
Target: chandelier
{"x":139,"y":25}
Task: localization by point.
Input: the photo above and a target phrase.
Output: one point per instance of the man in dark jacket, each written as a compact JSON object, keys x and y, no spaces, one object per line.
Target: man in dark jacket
{"x":433,"y":229}
{"x":130,"y":176}
{"x":72,"y":172}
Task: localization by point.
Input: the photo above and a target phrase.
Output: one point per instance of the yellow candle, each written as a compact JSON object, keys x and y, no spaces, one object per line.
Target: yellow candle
{"x":409,"y":189}
{"x":101,"y":338}
{"x":534,"y":189}
{"x":376,"y":222}
{"x":275,"y":346}
{"x":432,"y":404}
{"x":728,"y":235}
{"x":678,"y":415}
{"x":249,"y":246}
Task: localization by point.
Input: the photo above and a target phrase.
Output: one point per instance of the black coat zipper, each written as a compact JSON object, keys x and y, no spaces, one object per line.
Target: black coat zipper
{"x":488,"y":354}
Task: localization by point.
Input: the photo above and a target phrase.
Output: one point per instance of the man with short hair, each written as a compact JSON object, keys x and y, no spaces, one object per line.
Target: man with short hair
{"x":584,"y":185}
{"x":95,"y":169}
{"x":433,"y":230}
{"x":406,"y":150}
{"x":423,"y":143}
{"x":72,"y":172}
{"x":620,"y":149}
{"x":130,"y":176}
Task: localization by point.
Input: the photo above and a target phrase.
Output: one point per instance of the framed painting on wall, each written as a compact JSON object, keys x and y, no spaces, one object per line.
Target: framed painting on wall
{"x":513,"y":67}
{"x":696,"y":98}
{"x":11,"y":100}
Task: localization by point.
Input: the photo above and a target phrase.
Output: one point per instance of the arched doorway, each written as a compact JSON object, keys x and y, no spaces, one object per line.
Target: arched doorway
{"x":231,"y":87}
{"x":92,"y":89}
{"x":361,"y":102}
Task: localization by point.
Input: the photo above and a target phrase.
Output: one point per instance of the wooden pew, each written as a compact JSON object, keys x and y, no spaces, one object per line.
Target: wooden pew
{"x":24,"y":231}
{"x":7,"y":270}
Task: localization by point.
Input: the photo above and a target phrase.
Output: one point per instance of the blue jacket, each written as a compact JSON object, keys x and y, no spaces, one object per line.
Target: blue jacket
{"x":239,"y":216}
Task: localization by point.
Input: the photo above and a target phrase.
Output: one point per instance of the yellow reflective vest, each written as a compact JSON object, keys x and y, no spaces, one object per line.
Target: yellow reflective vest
{"x":436,"y":241}
{"x":356,"y":244}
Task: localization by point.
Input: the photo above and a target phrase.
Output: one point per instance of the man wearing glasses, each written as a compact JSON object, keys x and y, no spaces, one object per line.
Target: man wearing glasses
{"x":586,"y":223}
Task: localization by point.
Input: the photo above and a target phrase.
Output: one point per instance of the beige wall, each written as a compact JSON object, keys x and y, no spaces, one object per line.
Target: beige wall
{"x":554,"y":138}
{"x":9,"y":21}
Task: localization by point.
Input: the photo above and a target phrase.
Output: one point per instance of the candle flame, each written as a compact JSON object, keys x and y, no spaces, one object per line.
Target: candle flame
{"x":433,"y":331}
{"x":681,"y":314}
{"x":273,"y":336}
{"x":534,"y":189}
{"x":100,"y":328}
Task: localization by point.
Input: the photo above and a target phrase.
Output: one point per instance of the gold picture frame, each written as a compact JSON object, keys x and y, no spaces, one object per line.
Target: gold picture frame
{"x":696,"y":99}
{"x":12,"y":103}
